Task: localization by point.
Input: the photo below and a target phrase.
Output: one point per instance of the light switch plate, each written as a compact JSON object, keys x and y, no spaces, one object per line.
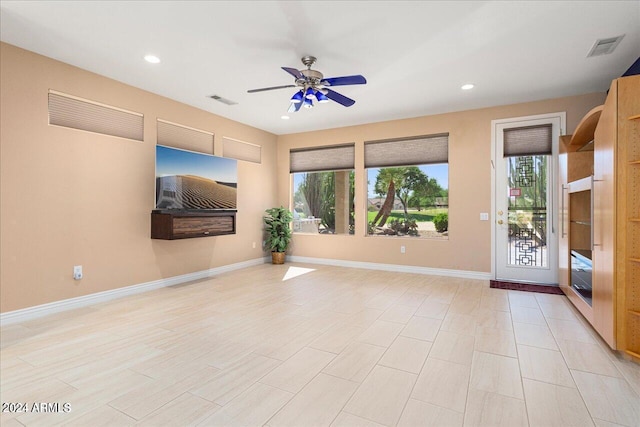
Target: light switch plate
{"x":484,"y":216}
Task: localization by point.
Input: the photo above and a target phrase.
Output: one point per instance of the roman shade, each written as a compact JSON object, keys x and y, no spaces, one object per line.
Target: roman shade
{"x":527,"y":141}
{"x":419,"y":150}
{"x":174,"y":135}
{"x":77,"y":113}
{"x":240,"y":150}
{"x":337,"y":157}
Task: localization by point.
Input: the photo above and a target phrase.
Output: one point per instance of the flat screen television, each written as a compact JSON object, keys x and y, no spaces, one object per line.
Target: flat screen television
{"x":190,"y":181}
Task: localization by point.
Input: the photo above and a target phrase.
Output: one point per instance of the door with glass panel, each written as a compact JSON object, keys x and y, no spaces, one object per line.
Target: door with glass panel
{"x":526,"y":246}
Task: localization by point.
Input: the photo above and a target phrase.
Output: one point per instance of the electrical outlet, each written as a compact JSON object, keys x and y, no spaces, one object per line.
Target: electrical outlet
{"x":77,"y":272}
{"x":402,"y":249}
{"x":254,"y":245}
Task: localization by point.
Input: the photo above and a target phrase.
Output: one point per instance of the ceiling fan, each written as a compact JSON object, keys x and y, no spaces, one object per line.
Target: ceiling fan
{"x":313,"y":86}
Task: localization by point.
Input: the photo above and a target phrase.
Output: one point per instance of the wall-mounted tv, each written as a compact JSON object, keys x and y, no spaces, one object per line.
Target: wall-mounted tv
{"x":188,"y":181}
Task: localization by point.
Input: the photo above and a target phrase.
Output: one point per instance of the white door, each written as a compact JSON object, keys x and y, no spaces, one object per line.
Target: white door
{"x":525,"y":221}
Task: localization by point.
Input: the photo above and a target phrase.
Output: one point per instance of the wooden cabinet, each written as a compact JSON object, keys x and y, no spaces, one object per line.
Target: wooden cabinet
{"x":599,"y":186}
{"x":185,"y":225}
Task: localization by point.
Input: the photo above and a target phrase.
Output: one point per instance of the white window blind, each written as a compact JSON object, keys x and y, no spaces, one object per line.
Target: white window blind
{"x":174,"y":135}
{"x":417,"y":150}
{"x":527,"y":141}
{"x":240,"y":150}
{"x":337,"y":157}
{"x":72,"y":112}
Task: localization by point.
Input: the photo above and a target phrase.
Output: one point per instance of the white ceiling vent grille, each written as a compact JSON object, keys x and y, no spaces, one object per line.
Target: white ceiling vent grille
{"x":179,"y":136}
{"x":77,"y":113}
{"x":605,"y":46}
{"x":240,"y":150}
{"x":223,"y":100}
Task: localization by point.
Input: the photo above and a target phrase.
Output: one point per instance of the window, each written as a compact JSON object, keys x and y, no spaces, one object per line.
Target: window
{"x":408,"y":186}
{"x":323,"y":193}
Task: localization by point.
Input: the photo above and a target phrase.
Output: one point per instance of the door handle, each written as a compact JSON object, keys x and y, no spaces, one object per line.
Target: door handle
{"x":500,"y":221}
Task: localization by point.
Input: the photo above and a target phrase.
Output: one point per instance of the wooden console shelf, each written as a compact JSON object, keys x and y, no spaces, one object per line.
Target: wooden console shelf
{"x":169,"y":225}
{"x":585,"y":129}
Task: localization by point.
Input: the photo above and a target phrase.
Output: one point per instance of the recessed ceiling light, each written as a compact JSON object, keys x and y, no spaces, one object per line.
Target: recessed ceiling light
{"x":467,"y":86}
{"x":152,"y":59}
{"x":284,"y":117}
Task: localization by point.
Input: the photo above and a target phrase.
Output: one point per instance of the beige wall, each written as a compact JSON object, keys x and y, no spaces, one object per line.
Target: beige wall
{"x":469,"y":244}
{"x":70,"y":197}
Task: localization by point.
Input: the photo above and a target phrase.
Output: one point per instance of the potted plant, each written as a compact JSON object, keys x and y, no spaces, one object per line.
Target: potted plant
{"x":278,"y":232}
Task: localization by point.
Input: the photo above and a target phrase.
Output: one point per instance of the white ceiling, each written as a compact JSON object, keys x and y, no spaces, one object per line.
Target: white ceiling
{"x":414,"y":54}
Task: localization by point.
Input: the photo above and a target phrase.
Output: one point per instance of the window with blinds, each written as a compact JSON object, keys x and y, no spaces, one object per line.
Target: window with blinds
{"x":179,"y":136}
{"x":323,"y":192}
{"x":240,"y":150}
{"x":338,"y":157}
{"x":77,"y":113}
{"x":527,"y":141}
{"x":420,"y":150}
{"x":408,"y":180}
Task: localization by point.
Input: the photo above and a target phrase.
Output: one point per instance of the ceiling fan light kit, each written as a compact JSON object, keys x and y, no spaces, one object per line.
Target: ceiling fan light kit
{"x":312,"y":85}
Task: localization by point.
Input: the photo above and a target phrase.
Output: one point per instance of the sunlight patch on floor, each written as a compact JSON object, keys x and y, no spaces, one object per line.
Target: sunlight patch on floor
{"x":296,"y":271}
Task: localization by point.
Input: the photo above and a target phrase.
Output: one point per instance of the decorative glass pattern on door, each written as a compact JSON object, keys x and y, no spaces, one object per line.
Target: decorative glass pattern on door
{"x":527,"y":178}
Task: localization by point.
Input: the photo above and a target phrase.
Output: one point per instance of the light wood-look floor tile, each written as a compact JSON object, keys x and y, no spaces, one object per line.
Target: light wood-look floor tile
{"x":381,"y":333}
{"x":418,"y":413}
{"x":406,"y":354}
{"x":529,"y":315}
{"x":460,"y":323}
{"x":433,"y":309}
{"x":443,"y":384}
{"x":609,"y":399}
{"x":544,"y":365}
{"x":318,"y":404}
{"x":570,"y":330}
{"x":293,"y":374}
{"x":522,"y":299}
{"x":355,"y":362}
{"x":550,"y":405}
{"x":398,"y":313}
{"x":453,"y":347}
{"x":105,"y":416}
{"x":186,"y":409}
{"x":496,"y":341}
{"x":496,"y":374}
{"x":336,"y":339}
{"x":247,"y":348}
{"x":587,"y":357}
{"x":345,"y":419}
{"x":228,"y":384}
{"x":534,"y":335}
{"x":421,"y":328}
{"x":151,"y":396}
{"x":254,"y":407}
{"x":382,"y":395}
{"x":491,"y":409}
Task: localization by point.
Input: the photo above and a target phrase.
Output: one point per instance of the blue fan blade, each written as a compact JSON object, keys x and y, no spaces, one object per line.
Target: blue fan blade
{"x":340,"y":99}
{"x":295,"y":73}
{"x":346,"y":80}
{"x":294,"y":107}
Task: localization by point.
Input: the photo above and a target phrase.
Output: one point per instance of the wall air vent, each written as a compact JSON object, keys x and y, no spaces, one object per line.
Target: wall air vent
{"x":223,"y":100}
{"x":605,"y":46}
{"x":77,"y":113}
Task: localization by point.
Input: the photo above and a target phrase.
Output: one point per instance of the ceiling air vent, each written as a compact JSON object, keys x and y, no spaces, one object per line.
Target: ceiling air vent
{"x":605,"y":46}
{"x":223,"y":100}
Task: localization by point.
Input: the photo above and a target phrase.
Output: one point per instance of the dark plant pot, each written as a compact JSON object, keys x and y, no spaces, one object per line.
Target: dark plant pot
{"x":277,"y":257}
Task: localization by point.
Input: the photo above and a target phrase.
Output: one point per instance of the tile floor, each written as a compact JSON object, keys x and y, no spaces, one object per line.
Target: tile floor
{"x":330,"y":346}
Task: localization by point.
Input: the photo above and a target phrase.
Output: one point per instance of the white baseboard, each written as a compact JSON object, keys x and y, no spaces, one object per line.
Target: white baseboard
{"x":31,"y":313}
{"x":393,"y":267}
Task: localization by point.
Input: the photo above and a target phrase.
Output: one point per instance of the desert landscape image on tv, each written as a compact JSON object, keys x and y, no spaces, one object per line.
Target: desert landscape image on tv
{"x":193,"y":181}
